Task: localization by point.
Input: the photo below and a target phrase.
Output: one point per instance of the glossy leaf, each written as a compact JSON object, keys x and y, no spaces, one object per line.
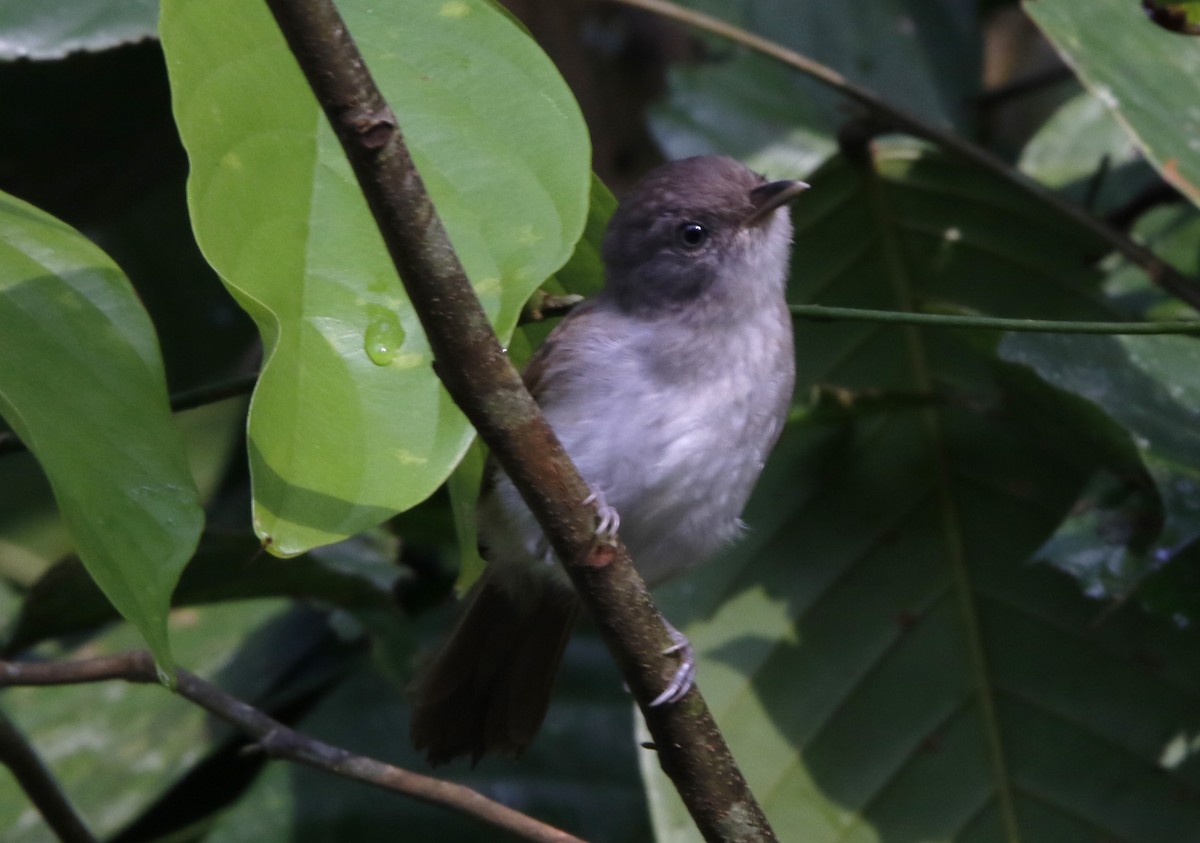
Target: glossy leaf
{"x":920,"y":55}
{"x":1148,"y":77}
{"x":879,"y":652}
{"x":349,"y":424}
{"x":50,"y":29}
{"x":81,"y":382}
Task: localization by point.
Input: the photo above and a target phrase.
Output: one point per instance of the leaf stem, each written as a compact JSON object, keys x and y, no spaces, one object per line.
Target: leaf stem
{"x":1160,"y":272}
{"x":821,"y":313}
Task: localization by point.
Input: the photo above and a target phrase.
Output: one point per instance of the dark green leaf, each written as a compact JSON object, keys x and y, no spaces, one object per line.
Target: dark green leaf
{"x":921,"y":55}
{"x":1148,"y":78}
{"x":1151,"y":387}
{"x":881,"y":656}
{"x":81,"y":382}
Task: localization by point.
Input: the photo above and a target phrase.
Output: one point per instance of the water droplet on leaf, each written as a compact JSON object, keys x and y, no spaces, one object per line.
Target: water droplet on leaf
{"x":385,"y":335}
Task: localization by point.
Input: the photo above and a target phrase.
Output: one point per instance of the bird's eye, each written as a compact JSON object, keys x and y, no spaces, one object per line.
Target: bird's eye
{"x":692,"y":235}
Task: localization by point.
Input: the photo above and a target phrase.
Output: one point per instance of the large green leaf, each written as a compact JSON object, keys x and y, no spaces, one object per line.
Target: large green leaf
{"x":883,"y":659}
{"x":81,"y":382}
{"x":918,"y":54}
{"x":1148,"y":77}
{"x":1151,"y":387}
{"x":50,"y":29}
{"x":349,"y":424}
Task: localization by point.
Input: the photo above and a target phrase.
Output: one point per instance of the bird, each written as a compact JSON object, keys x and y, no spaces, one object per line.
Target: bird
{"x":668,"y":389}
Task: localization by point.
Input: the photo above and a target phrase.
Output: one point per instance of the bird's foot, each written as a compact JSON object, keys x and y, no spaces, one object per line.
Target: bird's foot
{"x":609,"y":519}
{"x":685,"y":674}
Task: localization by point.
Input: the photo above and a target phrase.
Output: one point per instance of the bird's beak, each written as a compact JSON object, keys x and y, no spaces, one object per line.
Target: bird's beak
{"x":767,"y":197}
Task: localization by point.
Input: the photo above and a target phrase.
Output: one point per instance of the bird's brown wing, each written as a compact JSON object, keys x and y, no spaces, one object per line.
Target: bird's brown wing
{"x":489,"y":687}
{"x":538,"y":373}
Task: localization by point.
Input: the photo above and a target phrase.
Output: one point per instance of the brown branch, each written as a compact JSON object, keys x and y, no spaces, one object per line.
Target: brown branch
{"x":278,"y":741}
{"x":40,"y":785}
{"x":1160,"y":272}
{"x":481,"y":380}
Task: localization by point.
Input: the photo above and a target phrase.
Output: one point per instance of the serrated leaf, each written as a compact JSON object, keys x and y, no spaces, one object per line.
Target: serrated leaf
{"x":51,"y":29}
{"x":349,"y":424}
{"x":883,"y":661}
{"x":1147,"y":77}
{"x":81,"y":382}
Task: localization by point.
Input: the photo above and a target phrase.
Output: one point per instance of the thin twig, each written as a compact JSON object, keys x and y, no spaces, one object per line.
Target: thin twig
{"x":482,"y":381}
{"x":820,"y":313}
{"x":1159,"y":271}
{"x":40,"y":785}
{"x":281,"y":742}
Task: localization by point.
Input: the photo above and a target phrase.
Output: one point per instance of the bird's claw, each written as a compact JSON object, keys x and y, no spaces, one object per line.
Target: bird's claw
{"x":685,"y":675}
{"x":609,"y":519}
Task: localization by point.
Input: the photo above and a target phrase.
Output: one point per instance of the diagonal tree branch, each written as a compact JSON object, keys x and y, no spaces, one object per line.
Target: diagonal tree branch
{"x":482,"y":381}
{"x":40,"y":785}
{"x":278,"y":741}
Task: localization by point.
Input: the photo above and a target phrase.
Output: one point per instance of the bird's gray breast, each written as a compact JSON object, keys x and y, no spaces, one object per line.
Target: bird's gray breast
{"x":679,"y":437}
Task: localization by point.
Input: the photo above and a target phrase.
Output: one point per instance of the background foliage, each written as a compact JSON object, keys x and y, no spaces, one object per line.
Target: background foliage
{"x":966,"y":606}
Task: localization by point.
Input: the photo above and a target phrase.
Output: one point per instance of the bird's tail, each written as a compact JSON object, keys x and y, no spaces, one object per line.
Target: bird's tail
{"x":488,"y":689}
